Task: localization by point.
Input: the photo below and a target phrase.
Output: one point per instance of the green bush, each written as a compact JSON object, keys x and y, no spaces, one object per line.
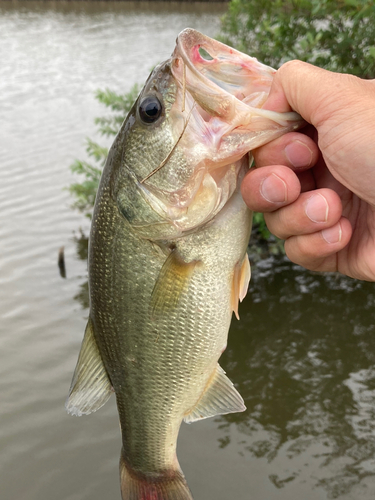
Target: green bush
{"x":85,"y":191}
{"x":338,"y":35}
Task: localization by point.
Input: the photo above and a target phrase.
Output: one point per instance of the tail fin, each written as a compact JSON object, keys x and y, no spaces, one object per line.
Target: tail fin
{"x":170,"y":485}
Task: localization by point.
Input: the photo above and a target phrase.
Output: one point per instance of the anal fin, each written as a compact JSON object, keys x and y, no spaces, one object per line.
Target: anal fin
{"x":219,"y":398}
{"x":90,"y":388}
{"x":240,"y":283}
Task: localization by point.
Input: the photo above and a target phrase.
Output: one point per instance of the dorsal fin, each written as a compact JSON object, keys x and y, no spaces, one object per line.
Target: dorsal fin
{"x":173,"y":279}
{"x":219,"y":398}
{"x":90,"y":387}
{"x":240,"y":283}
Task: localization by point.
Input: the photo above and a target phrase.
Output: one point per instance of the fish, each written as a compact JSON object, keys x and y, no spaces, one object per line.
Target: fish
{"x":167,"y":255}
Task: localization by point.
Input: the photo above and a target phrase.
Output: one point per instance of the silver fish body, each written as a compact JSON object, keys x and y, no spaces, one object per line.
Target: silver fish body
{"x":167,"y":259}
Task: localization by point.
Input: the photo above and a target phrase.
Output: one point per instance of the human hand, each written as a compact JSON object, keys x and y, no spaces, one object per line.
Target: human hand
{"x":317,"y":188}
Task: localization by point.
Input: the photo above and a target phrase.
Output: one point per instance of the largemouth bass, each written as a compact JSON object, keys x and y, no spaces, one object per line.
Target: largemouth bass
{"x":167,"y":258}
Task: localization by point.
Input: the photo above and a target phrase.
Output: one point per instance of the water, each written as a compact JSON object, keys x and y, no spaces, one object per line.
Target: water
{"x":303,"y":354}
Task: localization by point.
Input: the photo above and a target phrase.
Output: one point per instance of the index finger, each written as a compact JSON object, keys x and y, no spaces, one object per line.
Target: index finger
{"x":307,"y":89}
{"x":295,"y":150}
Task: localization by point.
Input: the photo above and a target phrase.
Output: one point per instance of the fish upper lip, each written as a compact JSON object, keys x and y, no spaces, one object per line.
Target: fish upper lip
{"x":229,"y":90}
{"x":230,"y":74}
{"x":231,"y":79}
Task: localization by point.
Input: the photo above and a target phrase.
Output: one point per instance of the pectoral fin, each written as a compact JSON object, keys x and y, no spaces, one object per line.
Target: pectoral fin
{"x":240,"y":284}
{"x":173,"y":279}
{"x":219,"y":398}
{"x":90,"y":388}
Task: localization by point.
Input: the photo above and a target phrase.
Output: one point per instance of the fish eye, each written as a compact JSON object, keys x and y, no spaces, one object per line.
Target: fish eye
{"x":150,"y":109}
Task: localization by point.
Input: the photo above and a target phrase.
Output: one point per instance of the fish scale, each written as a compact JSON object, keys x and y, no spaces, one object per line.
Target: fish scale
{"x":167,"y":257}
{"x":161,"y":350}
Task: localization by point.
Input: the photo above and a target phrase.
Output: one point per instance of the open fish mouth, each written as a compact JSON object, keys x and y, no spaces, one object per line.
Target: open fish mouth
{"x":229,"y":89}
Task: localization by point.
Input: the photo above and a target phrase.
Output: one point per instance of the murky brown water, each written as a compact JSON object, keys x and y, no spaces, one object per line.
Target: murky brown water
{"x":302,"y":356}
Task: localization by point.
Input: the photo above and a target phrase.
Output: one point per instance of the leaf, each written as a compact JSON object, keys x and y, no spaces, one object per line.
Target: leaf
{"x":120,"y":105}
{"x":100,"y":153}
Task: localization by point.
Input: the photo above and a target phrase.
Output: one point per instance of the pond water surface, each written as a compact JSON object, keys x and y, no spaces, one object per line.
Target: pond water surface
{"x":302,"y":356}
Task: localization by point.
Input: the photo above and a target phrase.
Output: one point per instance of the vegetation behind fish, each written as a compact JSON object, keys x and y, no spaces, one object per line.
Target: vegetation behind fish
{"x":335,"y":35}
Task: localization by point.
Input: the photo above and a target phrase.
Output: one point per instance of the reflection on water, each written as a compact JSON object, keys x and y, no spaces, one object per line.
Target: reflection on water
{"x":307,"y":373}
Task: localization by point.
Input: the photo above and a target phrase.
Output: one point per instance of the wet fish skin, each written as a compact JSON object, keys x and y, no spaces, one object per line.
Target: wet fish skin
{"x":159,"y":364}
{"x":167,"y":266}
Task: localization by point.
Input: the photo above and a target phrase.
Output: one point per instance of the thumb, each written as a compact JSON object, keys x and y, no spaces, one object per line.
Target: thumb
{"x":311,"y":91}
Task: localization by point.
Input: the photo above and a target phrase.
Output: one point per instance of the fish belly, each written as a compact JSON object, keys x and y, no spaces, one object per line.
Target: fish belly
{"x":160,"y":364}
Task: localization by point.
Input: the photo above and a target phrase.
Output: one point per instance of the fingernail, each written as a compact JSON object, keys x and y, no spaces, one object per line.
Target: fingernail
{"x":316,"y":208}
{"x":298,"y":154}
{"x":333,"y":234}
{"x":273,"y":189}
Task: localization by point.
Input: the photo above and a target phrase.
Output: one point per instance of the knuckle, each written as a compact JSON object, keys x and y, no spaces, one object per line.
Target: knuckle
{"x":294,"y":64}
{"x":275,"y":226}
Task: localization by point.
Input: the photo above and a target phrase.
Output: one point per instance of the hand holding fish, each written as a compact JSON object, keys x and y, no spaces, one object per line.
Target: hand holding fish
{"x":317,"y":189}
